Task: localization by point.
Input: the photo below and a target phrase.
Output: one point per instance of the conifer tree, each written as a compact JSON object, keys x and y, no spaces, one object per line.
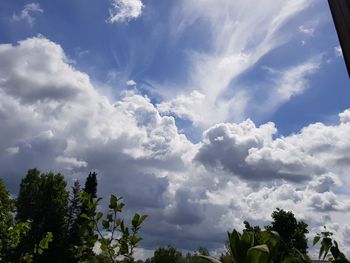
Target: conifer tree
{"x":73,"y":220}
{"x":86,"y":232}
{"x":91,"y":185}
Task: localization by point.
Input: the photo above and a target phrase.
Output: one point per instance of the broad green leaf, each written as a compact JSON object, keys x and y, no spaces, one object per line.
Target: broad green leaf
{"x":113,"y":202}
{"x":142,"y":218}
{"x":234,"y":239}
{"x":99,"y":216}
{"x":135,"y":220}
{"x":105,"y":224}
{"x":85,"y":216}
{"x":258,"y":254}
{"x":316,"y":239}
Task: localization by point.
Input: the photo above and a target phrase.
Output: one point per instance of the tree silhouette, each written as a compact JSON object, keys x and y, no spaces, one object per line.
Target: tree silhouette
{"x":43,"y":200}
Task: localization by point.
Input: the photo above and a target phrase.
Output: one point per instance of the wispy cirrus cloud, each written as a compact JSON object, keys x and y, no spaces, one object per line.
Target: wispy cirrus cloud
{"x":125,"y":10}
{"x":240,"y":33}
{"x":27,"y":13}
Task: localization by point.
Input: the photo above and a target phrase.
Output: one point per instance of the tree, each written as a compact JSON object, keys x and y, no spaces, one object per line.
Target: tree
{"x":43,"y":200}
{"x":87,"y":233}
{"x":255,"y":229}
{"x":74,"y":221}
{"x":165,"y":254}
{"x":74,"y":209}
{"x":6,"y":219}
{"x":91,"y":185}
{"x":11,"y":233}
{"x":291,"y":231}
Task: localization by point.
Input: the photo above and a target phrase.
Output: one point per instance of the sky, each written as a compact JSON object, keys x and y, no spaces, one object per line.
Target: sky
{"x":199,"y":113}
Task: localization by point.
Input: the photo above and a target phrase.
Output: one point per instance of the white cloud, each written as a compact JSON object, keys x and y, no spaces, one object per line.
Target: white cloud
{"x":251,"y":152}
{"x":307,"y":30}
{"x":345,"y":116}
{"x":239,"y":35}
{"x":65,"y":123}
{"x":186,"y":107}
{"x":338,"y":51}
{"x":26,"y":13}
{"x":293,"y":81}
{"x":70,"y":162}
{"x":12,"y":150}
{"x":131,"y":83}
{"x":39,"y":75}
{"x":125,"y":10}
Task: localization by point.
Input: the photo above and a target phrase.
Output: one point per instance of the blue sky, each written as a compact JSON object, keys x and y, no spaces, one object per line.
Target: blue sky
{"x":187,"y":100}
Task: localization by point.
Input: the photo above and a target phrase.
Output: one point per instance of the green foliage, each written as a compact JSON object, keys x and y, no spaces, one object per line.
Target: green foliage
{"x":38,"y":249}
{"x":166,"y":254}
{"x":74,"y":209}
{"x":245,"y":248}
{"x":11,"y":233}
{"x":255,"y":229}
{"x":115,"y":238}
{"x":47,"y":229}
{"x":91,"y":185}
{"x":83,"y":233}
{"x":172,"y":255}
{"x":329,"y":245}
{"x":43,"y":200}
{"x":6,"y":220}
{"x":74,"y":223}
{"x":292,"y":234}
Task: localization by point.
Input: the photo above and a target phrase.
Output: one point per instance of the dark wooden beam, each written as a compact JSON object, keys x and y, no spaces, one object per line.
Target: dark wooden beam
{"x":341,"y":15}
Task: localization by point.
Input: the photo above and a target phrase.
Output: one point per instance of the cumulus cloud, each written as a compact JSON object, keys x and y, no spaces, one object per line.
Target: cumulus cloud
{"x":39,"y":75}
{"x":183,"y":106}
{"x":60,"y":113}
{"x":345,"y":116}
{"x":54,"y":118}
{"x":251,"y":152}
{"x":131,"y":83}
{"x":27,"y":13}
{"x":125,"y":10}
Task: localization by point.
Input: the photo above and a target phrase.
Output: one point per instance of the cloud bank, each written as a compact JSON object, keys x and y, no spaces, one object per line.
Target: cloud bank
{"x":53,"y":117}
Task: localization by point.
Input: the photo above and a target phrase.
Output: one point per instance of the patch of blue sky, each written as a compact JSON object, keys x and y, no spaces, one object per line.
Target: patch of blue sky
{"x":151,"y":50}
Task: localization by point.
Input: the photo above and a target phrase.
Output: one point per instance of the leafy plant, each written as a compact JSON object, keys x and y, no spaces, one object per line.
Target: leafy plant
{"x":244,"y":248}
{"x":12,"y":233}
{"x":329,"y":245}
{"x":38,"y":249}
{"x":15,"y":233}
{"x":115,"y":238}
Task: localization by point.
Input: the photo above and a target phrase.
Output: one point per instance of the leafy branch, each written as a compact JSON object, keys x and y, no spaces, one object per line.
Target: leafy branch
{"x":116,"y":239}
